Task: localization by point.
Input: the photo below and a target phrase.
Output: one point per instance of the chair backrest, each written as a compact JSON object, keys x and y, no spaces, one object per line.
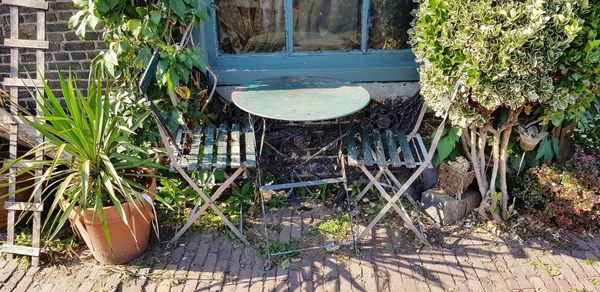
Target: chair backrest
{"x":145,"y":81}
{"x":149,"y":73}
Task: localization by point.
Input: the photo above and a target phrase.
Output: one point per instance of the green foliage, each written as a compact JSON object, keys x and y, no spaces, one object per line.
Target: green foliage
{"x":323,"y":192}
{"x":93,"y":150}
{"x":579,"y":69}
{"x":553,"y":271}
{"x":503,"y":52}
{"x":447,"y":146}
{"x":589,"y":262}
{"x":547,"y":149}
{"x":566,"y":195}
{"x":276,"y":200}
{"x":241,"y":198}
{"x":54,"y":251}
{"x":337,"y":227}
{"x":132,"y":30}
{"x":277,"y":247}
{"x":174,"y":194}
{"x":587,"y":134}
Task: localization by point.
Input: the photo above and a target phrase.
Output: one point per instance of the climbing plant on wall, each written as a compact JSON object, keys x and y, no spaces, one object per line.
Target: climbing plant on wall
{"x":132,"y":30}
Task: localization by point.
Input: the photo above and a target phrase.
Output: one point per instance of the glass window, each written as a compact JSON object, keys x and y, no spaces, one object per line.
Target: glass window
{"x":326,"y":25}
{"x":246,"y":26}
{"x":351,"y":40}
{"x":389,"y":22}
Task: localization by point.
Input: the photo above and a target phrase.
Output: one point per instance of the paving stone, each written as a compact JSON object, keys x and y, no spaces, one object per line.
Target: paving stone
{"x":286,"y":225}
{"x":14,"y":279}
{"x":566,"y":272}
{"x":576,"y":269}
{"x":257,"y":282}
{"x":8,"y":270}
{"x":307,"y":286}
{"x":354,"y":269}
{"x":517,"y":271}
{"x":497,"y":253}
{"x":467,"y":267}
{"x":404,"y":270}
{"x":431,"y":277}
{"x":245,"y":275}
{"x":474,"y":254}
{"x":453,"y":268}
{"x":419,"y":272}
{"x":295,"y":280}
{"x":580,"y":258}
{"x":477,"y":262}
{"x":206,"y":276}
{"x":330,"y":275}
{"x":317,"y":275}
{"x":26,"y":281}
{"x":269,"y":280}
{"x":195,"y":269}
{"x":595,"y":260}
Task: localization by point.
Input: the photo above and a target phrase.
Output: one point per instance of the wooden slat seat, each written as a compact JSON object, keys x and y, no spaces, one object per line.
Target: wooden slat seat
{"x":385,"y":148}
{"x":220,"y":147}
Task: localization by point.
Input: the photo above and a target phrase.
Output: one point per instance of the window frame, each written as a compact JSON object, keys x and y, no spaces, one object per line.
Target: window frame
{"x":364,"y":65}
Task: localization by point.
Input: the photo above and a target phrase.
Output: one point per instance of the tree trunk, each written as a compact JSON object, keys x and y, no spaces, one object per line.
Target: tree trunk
{"x":494,"y":206}
{"x":505,"y":137}
{"x":480,"y":176}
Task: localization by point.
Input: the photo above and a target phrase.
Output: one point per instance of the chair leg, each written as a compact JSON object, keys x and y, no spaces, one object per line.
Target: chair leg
{"x":210,"y":203}
{"x":390,"y":175}
{"x":391,"y":204}
{"x":369,"y":185}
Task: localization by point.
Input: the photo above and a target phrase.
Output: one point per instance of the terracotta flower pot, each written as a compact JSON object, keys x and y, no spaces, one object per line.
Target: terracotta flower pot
{"x":128,"y":241}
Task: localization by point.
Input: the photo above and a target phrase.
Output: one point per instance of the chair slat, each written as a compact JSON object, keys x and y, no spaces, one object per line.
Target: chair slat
{"x":222,"y":146}
{"x":234,"y":144}
{"x":366,"y":145}
{"x":209,"y":143}
{"x":392,"y":148}
{"x":406,"y":153}
{"x":422,"y":147}
{"x":419,"y":157}
{"x":351,"y":146}
{"x":195,"y":148}
{"x":250,"y":146}
{"x":379,"y":152}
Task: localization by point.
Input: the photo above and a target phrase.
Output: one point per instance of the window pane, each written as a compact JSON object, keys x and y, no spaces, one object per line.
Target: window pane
{"x":250,"y":26}
{"x":326,"y":25}
{"x":390,"y":21}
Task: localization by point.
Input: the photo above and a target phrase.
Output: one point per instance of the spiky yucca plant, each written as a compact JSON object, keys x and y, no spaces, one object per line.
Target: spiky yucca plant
{"x":93,"y":156}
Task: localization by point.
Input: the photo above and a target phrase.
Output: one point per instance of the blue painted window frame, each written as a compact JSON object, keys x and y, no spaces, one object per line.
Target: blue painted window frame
{"x":364,"y":65}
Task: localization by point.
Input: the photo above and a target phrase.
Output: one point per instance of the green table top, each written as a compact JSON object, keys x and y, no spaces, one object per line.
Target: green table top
{"x":300,"y":98}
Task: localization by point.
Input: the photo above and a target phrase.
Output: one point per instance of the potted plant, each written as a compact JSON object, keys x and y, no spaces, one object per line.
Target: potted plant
{"x":97,"y":179}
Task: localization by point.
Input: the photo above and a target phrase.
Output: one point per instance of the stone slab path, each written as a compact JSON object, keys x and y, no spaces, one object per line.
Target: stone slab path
{"x":462,"y":258}
{"x":205,"y":261}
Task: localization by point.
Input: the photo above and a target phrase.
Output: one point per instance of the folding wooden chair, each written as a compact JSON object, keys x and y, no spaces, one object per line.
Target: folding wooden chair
{"x":222,"y":147}
{"x":381,"y":150}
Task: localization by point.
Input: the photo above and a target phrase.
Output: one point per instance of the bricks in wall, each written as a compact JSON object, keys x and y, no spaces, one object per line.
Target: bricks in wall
{"x":66,"y":53}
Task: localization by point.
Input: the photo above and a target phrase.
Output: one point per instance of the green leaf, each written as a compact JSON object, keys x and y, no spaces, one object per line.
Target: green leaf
{"x":111,"y":61}
{"x":545,"y":150}
{"x":155,"y":17}
{"x":447,"y":144}
{"x":178,"y":7}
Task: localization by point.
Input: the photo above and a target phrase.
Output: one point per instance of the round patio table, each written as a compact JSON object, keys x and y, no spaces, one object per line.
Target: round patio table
{"x":300,"y":98}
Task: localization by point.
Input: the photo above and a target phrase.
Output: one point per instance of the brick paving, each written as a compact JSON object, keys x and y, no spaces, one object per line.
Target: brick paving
{"x":208,"y":261}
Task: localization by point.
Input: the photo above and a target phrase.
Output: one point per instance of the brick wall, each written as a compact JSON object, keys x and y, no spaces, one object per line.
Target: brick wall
{"x":67,"y":51}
